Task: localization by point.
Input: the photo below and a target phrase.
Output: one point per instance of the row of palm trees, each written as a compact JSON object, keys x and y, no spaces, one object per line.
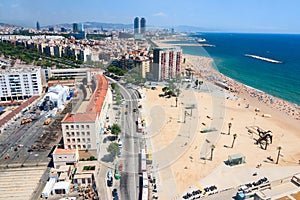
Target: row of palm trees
{"x":212,"y":147}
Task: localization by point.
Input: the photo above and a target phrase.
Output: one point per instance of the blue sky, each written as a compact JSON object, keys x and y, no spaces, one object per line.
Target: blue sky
{"x":277,"y":16}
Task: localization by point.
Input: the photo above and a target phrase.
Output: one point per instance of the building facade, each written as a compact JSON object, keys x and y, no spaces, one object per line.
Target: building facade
{"x":20,"y":83}
{"x":136,"y":25}
{"x":166,"y":63}
{"x":143,"y":26}
{"x":84,"y":130}
{"x":62,"y":157}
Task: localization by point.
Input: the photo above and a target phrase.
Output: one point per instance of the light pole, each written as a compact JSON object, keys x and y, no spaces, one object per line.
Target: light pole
{"x":212,"y":147}
{"x":279,"y":149}
{"x":229,"y":127}
{"x":234,"y":137}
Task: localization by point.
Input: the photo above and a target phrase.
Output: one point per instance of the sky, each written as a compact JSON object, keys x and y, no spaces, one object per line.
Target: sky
{"x":266,"y":16}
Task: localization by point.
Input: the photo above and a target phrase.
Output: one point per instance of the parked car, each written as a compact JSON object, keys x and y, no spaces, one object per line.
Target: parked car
{"x":110,"y":182}
{"x":115,"y":192}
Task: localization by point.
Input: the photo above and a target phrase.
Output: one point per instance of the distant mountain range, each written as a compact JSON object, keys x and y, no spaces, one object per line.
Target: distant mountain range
{"x":8,"y":25}
{"x":97,"y":25}
{"x":180,"y":28}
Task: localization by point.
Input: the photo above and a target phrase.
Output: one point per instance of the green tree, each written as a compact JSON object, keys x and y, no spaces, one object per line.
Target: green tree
{"x":114,"y":86}
{"x":113,"y":149}
{"x":165,"y":89}
{"x":115,"y":129}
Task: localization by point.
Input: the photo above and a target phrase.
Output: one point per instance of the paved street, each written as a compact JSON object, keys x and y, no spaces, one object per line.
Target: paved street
{"x":131,"y":148}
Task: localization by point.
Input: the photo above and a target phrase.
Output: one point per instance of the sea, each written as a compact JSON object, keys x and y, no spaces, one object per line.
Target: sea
{"x":280,"y":80}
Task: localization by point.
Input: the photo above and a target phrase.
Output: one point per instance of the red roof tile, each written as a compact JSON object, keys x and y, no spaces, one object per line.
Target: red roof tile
{"x":94,"y":107}
{"x":79,"y":117}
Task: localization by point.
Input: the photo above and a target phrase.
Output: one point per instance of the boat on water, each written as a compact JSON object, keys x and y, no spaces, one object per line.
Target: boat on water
{"x":264,"y":59}
{"x":201,"y":40}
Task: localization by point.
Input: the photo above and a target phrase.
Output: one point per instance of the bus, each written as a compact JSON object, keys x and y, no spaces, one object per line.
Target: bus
{"x":145,"y":189}
{"x":143,"y":161}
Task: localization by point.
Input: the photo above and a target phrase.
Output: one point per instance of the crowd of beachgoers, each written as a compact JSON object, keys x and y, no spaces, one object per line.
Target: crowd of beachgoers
{"x":203,"y":68}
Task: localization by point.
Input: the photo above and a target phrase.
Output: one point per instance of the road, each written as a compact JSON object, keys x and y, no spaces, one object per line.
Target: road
{"x":130,"y":177}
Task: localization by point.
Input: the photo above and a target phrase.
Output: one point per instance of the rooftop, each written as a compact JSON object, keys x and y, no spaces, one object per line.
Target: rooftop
{"x":80,"y":117}
{"x":64,"y":151}
{"x":94,"y":107}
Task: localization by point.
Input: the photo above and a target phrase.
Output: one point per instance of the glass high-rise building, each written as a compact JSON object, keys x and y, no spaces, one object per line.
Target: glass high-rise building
{"x":75,"y":28}
{"x":136,"y":25}
{"x":38,"y":26}
{"x":143,"y":25}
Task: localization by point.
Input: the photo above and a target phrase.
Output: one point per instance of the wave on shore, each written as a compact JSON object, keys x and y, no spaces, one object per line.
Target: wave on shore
{"x":264,"y":59}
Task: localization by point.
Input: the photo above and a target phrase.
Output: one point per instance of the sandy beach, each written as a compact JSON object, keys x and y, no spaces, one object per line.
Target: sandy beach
{"x":216,"y":108}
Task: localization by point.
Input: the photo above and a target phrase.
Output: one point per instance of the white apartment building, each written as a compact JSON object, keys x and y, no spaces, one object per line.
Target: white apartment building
{"x":78,"y":73}
{"x":62,"y":157}
{"x":20,"y":83}
{"x":84,"y":130}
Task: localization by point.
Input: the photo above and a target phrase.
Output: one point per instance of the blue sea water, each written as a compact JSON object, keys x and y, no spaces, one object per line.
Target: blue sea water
{"x":280,"y":80}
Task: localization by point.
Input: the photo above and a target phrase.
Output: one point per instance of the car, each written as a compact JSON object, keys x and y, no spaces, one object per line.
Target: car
{"x":120,"y":143}
{"x":114,"y":192}
{"x":109,"y":174}
{"x":110,"y":181}
{"x":116,"y":198}
{"x":120,"y":154}
{"x":121,"y":167}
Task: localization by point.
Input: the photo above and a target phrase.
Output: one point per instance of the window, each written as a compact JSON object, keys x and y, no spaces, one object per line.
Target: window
{"x":78,"y":139}
{"x":82,"y":126}
{"x":83,"y":133}
{"x":89,"y":140}
{"x":77,"y":133}
{"x":73,"y":134}
{"x":67,"y":127}
{"x":88,"y":133}
{"x":77,"y":126}
{"x":79,"y":146}
{"x":68,"y":140}
{"x":83,"y":139}
{"x":83,"y":146}
{"x":68,"y":134}
{"x":73,"y":140}
{"x":87,"y":126}
{"x":72,"y":126}
{"x":74,"y":146}
{"x":69,"y":146}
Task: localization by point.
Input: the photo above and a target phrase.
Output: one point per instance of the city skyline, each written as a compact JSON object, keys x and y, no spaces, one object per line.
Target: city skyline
{"x":230,"y":16}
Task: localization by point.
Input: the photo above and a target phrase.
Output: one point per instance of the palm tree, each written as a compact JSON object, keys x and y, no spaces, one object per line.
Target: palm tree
{"x":279,"y":149}
{"x":234,"y":137}
{"x":229,"y":127}
{"x":212,"y":147}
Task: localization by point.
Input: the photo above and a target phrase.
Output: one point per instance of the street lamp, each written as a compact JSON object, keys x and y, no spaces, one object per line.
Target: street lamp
{"x":279,"y":149}
{"x":229,"y":127}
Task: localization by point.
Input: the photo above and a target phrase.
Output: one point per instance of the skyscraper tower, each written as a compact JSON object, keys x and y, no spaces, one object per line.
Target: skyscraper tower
{"x":136,"y":25}
{"x":143,"y":25}
{"x":38,"y":26}
{"x":75,"y":27}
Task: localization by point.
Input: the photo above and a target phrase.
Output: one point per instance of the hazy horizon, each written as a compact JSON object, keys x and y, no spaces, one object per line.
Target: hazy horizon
{"x":248,"y":16}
